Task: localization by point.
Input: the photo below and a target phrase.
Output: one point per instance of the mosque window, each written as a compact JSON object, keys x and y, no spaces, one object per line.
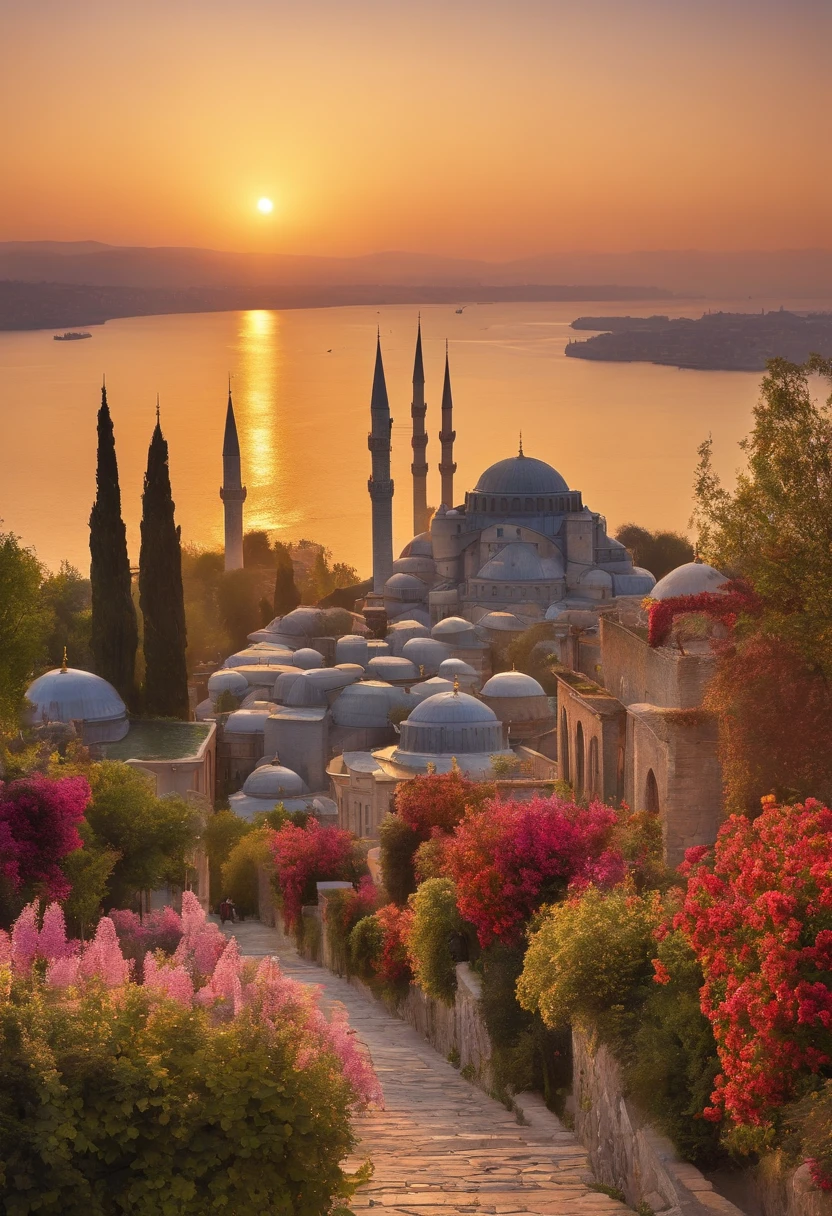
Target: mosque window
{"x":493,"y":507}
{"x":503,"y":504}
{"x":529,"y":504}
{"x":515,"y":504}
{"x":540,"y":504}
{"x":493,"y":590}
{"x":519,"y":531}
{"x":499,"y":531}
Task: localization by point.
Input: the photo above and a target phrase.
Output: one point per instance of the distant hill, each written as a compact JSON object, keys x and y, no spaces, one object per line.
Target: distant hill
{"x":786,"y":273}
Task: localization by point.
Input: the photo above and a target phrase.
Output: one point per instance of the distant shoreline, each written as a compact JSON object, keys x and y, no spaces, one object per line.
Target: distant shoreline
{"x":28,"y":306}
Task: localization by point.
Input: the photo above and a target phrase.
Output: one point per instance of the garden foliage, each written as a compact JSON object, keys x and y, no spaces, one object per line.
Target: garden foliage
{"x":435,"y":919}
{"x":308,"y":855}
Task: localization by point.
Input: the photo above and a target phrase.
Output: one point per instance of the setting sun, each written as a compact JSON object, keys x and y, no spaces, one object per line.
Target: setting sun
{"x":265,"y":206}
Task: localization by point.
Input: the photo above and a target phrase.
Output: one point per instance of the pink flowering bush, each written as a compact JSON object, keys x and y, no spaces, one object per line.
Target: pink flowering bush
{"x":305,"y":856}
{"x":217,"y":1080}
{"x":39,"y":818}
{"x":509,"y":858}
{"x":757,"y":913}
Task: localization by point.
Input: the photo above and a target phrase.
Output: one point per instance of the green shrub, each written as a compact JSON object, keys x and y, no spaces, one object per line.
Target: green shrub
{"x":365,"y":946}
{"x":344,"y":909}
{"x":435,"y":918}
{"x":144,"y":1105}
{"x":589,"y":960}
{"x":223,"y":830}
{"x":670,"y":1063}
{"x":398,"y":843}
{"x":240,"y":871}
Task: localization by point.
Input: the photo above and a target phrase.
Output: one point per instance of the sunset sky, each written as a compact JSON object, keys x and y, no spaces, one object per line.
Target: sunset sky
{"x":469,"y":127}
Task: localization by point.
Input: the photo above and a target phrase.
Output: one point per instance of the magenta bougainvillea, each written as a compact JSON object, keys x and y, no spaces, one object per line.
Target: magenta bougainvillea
{"x":724,"y":606}
{"x":508,"y":858}
{"x":39,"y":819}
{"x":758,"y":913}
{"x":306,"y":855}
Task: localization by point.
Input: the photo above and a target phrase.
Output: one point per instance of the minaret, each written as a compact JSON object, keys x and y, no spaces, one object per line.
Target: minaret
{"x":446,"y":438}
{"x":233,"y":492}
{"x":419,"y":442}
{"x":380,"y":484}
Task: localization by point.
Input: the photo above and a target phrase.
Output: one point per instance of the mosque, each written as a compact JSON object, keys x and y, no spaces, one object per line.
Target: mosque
{"x":331,"y":722}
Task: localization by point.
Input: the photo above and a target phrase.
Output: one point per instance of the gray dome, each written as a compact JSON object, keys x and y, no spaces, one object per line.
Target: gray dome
{"x":391,"y":667}
{"x":402,"y":631}
{"x":367,"y":704}
{"x":248,"y":721}
{"x":427,"y":653}
{"x":405,"y":587}
{"x":429,"y":688}
{"x":284,"y":682}
{"x":421,"y":567}
{"x":519,"y":562}
{"x":272,"y":655}
{"x":313,"y":687}
{"x":308,"y":658}
{"x":449,"y":627}
{"x":691,"y":579}
{"x":376,"y":647}
{"x":501,"y":622}
{"x":273,"y":781}
{"x":227,"y":680}
{"x":420,"y":546}
{"x":512,"y":684}
{"x":521,"y":475}
{"x":351,"y":648}
{"x":300,"y":623}
{"x":449,"y":668}
{"x":451,"y":722}
{"x":72,"y":695}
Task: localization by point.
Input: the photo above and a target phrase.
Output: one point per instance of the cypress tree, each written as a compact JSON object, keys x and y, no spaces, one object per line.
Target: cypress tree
{"x":286,"y":594}
{"x":160,"y":591}
{"x":115,"y":634}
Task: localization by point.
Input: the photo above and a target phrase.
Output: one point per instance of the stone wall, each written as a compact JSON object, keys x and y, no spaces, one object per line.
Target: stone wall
{"x":635,"y":673}
{"x":625,"y":1151}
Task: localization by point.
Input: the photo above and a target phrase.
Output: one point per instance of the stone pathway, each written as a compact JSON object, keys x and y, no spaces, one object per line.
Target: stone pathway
{"x":441,"y":1146}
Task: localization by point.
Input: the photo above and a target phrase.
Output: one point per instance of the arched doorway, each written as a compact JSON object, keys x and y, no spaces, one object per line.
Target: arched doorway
{"x":580,"y":781}
{"x":651,"y":793}
{"x":594,"y":774}
{"x":564,"y":746}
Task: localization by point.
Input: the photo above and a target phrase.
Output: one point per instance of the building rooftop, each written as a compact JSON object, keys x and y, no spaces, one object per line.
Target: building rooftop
{"x":155,"y":739}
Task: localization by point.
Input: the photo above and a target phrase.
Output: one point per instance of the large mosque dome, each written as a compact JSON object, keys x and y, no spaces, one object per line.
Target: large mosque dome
{"x":68,"y":694}
{"x":521,"y":475}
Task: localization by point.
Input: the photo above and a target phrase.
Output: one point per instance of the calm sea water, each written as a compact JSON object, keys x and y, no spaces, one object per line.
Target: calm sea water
{"x":624,"y":434}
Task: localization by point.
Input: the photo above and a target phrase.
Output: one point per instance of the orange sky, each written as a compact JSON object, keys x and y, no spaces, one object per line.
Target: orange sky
{"x":470,"y":127}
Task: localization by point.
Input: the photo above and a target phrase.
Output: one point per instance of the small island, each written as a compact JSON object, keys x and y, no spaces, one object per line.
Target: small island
{"x":717,"y":341}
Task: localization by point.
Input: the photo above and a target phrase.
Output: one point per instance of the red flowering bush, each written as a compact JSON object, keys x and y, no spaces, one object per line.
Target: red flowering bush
{"x":758,"y":915}
{"x":308,"y":855}
{"x":344,"y":909}
{"x":509,"y":858}
{"x":392,"y":965}
{"x":39,"y":819}
{"x":724,"y":606}
{"x":438,"y":801}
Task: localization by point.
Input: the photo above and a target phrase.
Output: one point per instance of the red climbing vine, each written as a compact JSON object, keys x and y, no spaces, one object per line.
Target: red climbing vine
{"x":724,"y":606}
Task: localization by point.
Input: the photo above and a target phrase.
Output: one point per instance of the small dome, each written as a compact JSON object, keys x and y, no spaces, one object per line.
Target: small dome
{"x":391,"y":667}
{"x":451,"y":707}
{"x":691,"y":579}
{"x":78,"y":696}
{"x":284,"y":682}
{"x":449,"y":668}
{"x":519,"y":562}
{"x":429,"y":688}
{"x":377,"y":646}
{"x":423,"y":568}
{"x":596,"y":578}
{"x":521,"y":475}
{"x":351,"y":649}
{"x":300,"y":623}
{"x":354,"y":670}
{"x":427,"y":653}
{"x":449,"y":626}
{"x":402,"y":631}
{"x":273,"y":781}
{"x":248,"y":721}
{"x":271,"y":656}
{"x":367,"y":704}
{"x":512,"y":684}
{"x":307,"y":658}
{"x":501,"y":622}
{"x":313,"y":687}
{"x":420,"y":546}
{"x":405,"y":587}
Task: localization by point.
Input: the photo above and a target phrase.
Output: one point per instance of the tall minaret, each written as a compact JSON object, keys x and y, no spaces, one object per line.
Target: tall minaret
{"x":419,"y":468}
{"x":380,"y":485}
{"x":446,"y":438}
{"x":233,"y":492}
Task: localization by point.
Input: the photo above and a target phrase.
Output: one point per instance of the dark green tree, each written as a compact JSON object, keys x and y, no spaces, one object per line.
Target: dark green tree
{"x":160,"y":591}
{"x":239,"y":606}
{"x":114,"y":635}
{"x":25,"y":622}
{"x":286,"y":594}
{"x":658,"y":552}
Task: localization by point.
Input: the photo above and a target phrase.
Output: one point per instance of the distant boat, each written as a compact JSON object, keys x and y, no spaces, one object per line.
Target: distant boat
{"x":70,"y":336}
{"x":459,"y":310}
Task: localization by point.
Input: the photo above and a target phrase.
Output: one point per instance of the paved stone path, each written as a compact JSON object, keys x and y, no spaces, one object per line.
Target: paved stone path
{"x":441,"y":1146}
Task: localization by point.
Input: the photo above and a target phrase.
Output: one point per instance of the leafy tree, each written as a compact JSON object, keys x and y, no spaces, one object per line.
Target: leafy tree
{"x":68,"y":596}
{"x":240,"y":878}
{"x":88,"y":872}
{"x":160,"y":591}
{"x":114,"y":634}
{"x":775,"y":528}
{"x":658,"y":552}
{"x":202,"y":572}
{"x":286,"y":594}
{"x":25,"y":622}
{"x":239,"y":606}
{"x":151,"y":835}
{"x":257,"y":550}
{"x":435,"y":920}
{"x":222,"y":832}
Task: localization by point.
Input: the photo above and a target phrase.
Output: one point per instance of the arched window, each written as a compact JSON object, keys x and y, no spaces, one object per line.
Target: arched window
{"x":651,"y":793}
{"x":503,"y":504}
{"x":540,"y":504}
{"x":529,"y":504}
{"x":493,"y":504}
{"x":579,"y":762}
{"x":515,"y":504}
{"x":594,"y":774}
{"x":564,"y":746}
